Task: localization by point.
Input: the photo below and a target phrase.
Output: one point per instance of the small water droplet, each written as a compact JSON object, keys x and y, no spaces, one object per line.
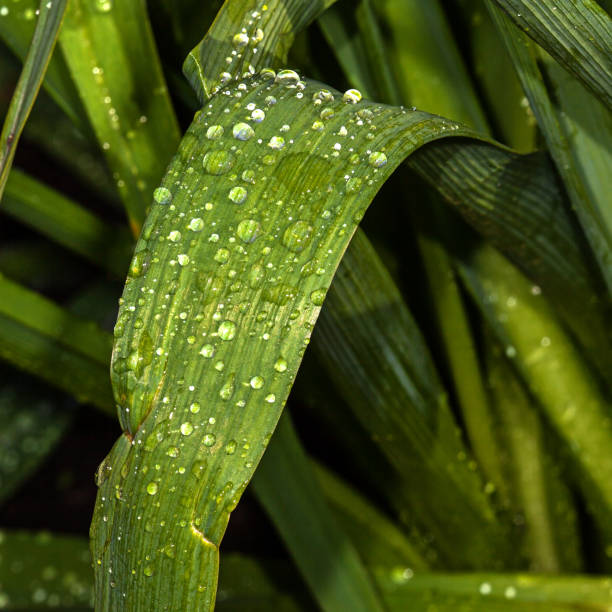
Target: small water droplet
{"x":152,"y":488}
{"x":103,"y":6}
{"x":258,"y":115}
{"x":173,"y":451}
{"x":195,"y":407}
{"x":243,"y":131}
{"x":287,"y":77}
{"x":297,"y":235}
{"x":248,"y":230}
{"x":230,"y":447}
{"x":237,"y":194}
{"x":227,"y":330}
{"x":352,"y":96}
{"x":214,"y":132}
{"x":148,"y":571}
{"x":222,"y":256}
{"x":162,"y":195}
{"x":276,"y":142}
{"x":240,"y":40}
{"x":183,"y":259}
{"x":377,"y":159}
{"x":218,"y":162}
{"x":257,"y":382}
{"x":186,"y":428}
{"x":270,"y":398}
{"x":227,"y":390}
{"x":196,"y":224}
{"x":353,"y":185}
{"x":208,"y":351}
{"x":175,"y":236}
{"x":209,"y":439}
{"x":317,"y":297}
{"x":281,"y":365}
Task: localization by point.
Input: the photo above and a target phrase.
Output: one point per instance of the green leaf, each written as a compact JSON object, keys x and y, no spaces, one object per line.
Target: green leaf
{"x":35,"y":66}
{"x":577,"y":129}
{"x":556,"y":373}
{"x":288,"y":489}
{"x":17,"y":24}
{"x":111,"y":55}
{"x":251,"y":36}
{"x":65,"y":222}
{"x":44,"y":339}
{"x":33,"y":420}
{"x":41,"y":571}
{"x":577,"y":34}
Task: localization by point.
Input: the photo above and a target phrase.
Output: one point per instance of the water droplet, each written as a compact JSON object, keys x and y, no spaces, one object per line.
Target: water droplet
{"x":230,"y":447}
{"x":323,"y":95}
{"x":186,"y":428}
{"x":281,"y":365}
{"x":297,"y":235}
{"x":148,"y":571}
{"x":258,"y":115}
{"x":248,"y":230}
{"x":237,"y":195}
{"x":256,"y":275}
{"x":208,"y":351}
{"x":173,"y":451}
{"x":243,"y":131}
{"x":276,"y":142}
{"x":162,"y":195}
{"x":218,"y":162}
{"x":352,"y":96}
{"x":318,"y":125}
{"x":137,"y":265}
{"x":270,"y":398}
{"x":195,"y":407}
{"x":183,"y":259}
{"x":175,"y":236}
{"x":326,"y":113}
{"x":287,"y":77}
{"x":353,"y":185}
{"x":209,"y":439}
{"x":240,"y":40}
{"x":222,"y":256}
{"x":377,"y":159}
{"x":257,"y":382}
{"x":227,"y":330}
{"x":485,"y":588}
{"x":214,"y":132}
{"x":317,"y":297}
{"x":248,"y":176}
{"x":227,"y":390}
{"x":103,"y":6}
{"x":152,"y":488}
{"x":196,"y":224}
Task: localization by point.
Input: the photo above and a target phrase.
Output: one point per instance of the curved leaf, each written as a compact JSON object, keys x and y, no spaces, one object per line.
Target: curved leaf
{"x":35,"y":66}
{"x":577,"y":34}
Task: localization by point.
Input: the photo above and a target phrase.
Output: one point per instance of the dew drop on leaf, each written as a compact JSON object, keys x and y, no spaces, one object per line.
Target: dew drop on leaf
{"x":218,"y":162}
{"x":248,"y":230}
{"x":227,"y":330}
{"x":162,"y":195}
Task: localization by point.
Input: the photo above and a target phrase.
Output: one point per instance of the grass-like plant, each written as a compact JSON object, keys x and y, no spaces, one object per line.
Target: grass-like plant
{"x":453,"y":440}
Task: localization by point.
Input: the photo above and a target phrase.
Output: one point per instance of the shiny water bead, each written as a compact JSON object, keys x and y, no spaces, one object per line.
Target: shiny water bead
{"x":227,"y":330}
{"x":243,"y":131}
{"x":222,"y":256}
{"x":377,"y":159}
{"x":209,"y":439}
{"x":218,"y":162}
{"x":317,"y":297}
{"x":208,"y":351}
{"x":296,"y":236}
{"x":248,"y":230}
{"x":214,"y":132}
{"x":103,"y":6}
{"x":287,"y":77}
{"x":352,"y":96}
{"x":162,"y":195}
{"x":196,"y":224}
{"x":257,"y":37}
{"x":323,"y":95}
{"x":270,"y":398}
{"x":173,"y":452}
{"x":276,"y":142}
{"x":174,"y":236}
{"x":318,"y":125}
{"x":258,"y":115}
{"x":237,"y":195}
{"x":183,"y":259}
{"x":152,"y":488}
{"x":257,"y":382}
{"x":186,"y":428}
{"x":280,"y":365}
{"x":353,"y":185}
{"x":267,"y":73}
{"x":240,"y":40}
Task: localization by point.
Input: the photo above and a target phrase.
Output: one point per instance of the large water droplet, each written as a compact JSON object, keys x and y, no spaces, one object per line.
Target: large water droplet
{"x":186,"y":428}
{"x":317,"y":297}
{"x":257,"y":382}
{"x":248,"y":230}
{"x":152,"y":488}
{"x":297,"y":235}
{"x":196,"y":224}
{"x":276,"y":142}
{"x":183,"y":259}
{"x":218,"y":162}
{"x":209,"y":439}
{"x":174,"y":236}
{"x":258,"y":115}
{"x":280,"y":365}
{"x":243,"y":131}
{"x":227,"y":330}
